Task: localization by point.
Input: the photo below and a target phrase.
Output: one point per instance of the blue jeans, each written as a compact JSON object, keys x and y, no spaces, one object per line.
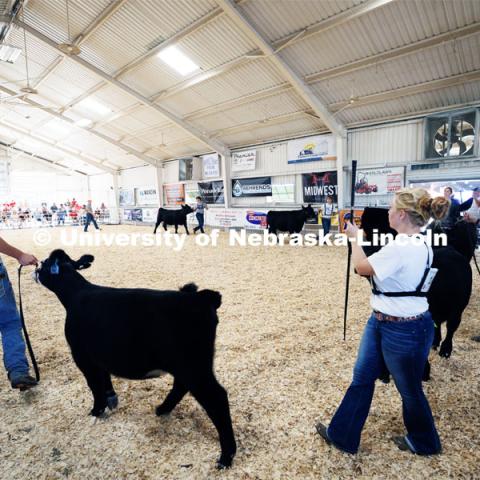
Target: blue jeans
{"x":14,"y":357}
{"x":90,"y":218}
{"x":326,"y":222}
{"x":201,"y":222}
{"x":403,"y":347}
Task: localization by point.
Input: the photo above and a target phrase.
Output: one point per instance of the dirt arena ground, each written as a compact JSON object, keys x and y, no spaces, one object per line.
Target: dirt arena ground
{"x":280,"y":355}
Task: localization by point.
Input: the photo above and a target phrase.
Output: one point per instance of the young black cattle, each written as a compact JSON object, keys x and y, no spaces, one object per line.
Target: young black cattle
{"x":138,"y":334}
{"x":290,"y":221}
{"x":451,"y":289}
{"x":173,"y":217}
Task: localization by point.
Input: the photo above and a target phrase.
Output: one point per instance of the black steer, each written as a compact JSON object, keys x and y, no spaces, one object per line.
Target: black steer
{"x":173,"y":217}
{"x":451,"y":289}
{"x":139,"y":334}
{"x":291,"y":221}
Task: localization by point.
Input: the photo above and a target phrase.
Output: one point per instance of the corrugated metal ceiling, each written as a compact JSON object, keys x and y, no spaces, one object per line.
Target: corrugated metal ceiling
{"x":232,"y":95}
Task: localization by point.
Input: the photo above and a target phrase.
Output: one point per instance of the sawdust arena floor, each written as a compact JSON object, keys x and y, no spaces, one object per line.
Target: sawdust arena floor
{"x":280,"y":355}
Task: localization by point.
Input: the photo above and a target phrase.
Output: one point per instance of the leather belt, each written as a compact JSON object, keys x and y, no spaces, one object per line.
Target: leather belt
{"x":382,"y":317}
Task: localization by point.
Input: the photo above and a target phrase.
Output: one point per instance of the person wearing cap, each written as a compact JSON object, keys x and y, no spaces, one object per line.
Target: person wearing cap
{"x":399,"y":332}
{"x":14,"y":357}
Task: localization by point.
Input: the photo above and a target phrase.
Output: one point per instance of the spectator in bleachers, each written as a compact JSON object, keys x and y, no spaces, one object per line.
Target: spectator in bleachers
{"x":61,"y":214}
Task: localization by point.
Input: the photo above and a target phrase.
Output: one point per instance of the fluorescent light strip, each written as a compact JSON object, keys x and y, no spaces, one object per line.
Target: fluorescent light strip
{"x":176,"y":59}
{"x":9,"y":54}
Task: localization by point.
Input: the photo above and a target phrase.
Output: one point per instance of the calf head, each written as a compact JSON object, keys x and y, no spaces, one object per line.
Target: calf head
{"x":54,"y":270}
{"x":309,"y":211}
{"x":187,"y":209}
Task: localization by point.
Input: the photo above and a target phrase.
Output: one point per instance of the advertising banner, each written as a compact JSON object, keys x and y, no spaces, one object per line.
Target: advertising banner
{"x":211,"y":165}
{"x":255,"y":219}
{"x":244,"y":160}
{"x":132,"y":214}
{"x":379,"y":181}
{"x":191,"y":193}
{"x":252,"y":187}
{"x":174,"y":193}
{"x":225,"y":217}
{"x":147,"y":196}
{"x":127,"y":197}
{"x":149,"y":214}
{"x":310,"y":149}
{"x":212,"y":192}
{"x":283,"y":193}
{"x":318,"y":186}
{"x":357,"y":216}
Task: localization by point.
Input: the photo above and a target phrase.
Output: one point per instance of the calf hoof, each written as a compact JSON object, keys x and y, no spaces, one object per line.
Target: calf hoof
{"x":112,"y":401}
{"x":225,"y":461}
{"x":97,"y":412}
{"x":162,"y":410}
{"x":445,"y":350}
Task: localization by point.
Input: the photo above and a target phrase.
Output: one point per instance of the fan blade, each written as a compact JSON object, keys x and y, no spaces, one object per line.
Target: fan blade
{"x":443,"y":152}
{"x":463,"y":147}
{"x":468,"y":132}
{"x":440,"y":137}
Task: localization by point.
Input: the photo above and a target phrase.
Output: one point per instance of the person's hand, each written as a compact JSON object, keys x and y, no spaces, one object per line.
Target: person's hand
{"x":351,"y":230}
{"x":27,"y":259}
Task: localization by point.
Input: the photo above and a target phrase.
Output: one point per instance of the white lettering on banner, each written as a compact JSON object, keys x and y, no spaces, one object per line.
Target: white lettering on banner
{"x":321,"y":190}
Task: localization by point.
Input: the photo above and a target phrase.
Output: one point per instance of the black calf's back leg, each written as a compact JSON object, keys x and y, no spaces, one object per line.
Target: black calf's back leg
{"x":447,"y":344}
{"x":213,"y":398}
{"x":112,"y":398}
{"x":175,"y":395}
{"x":186,"y":229}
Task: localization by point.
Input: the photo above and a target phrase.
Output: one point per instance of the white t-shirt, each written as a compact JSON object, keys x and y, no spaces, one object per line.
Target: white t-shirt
{"x":399,"y":267}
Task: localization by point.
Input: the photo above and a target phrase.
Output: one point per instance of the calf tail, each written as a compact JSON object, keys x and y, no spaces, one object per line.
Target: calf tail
{"x":189,"y":288}
{"x":212,"y":298}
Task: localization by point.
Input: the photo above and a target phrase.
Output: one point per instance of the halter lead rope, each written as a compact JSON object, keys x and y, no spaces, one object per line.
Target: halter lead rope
{"x":24,"y":327}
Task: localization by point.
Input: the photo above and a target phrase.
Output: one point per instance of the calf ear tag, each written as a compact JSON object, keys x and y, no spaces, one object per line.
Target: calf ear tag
{"x":55,"y":269}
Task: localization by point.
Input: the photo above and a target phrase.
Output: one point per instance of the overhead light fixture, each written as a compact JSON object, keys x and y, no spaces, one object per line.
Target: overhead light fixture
{"x":176,"y":59}
{"x":9,"y":54}
{"x":94,"y":106}
{"x":69,"y":49}
{"x":83,"y":122}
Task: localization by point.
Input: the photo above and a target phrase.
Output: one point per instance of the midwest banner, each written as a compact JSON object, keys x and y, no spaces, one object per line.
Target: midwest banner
{"x":318,"y":186}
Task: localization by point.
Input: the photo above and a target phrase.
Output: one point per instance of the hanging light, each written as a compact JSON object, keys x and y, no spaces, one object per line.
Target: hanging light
{"x":69,"y":48}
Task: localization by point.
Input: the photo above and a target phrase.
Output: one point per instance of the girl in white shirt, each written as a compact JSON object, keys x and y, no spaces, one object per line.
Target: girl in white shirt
{"x":399,"y":332}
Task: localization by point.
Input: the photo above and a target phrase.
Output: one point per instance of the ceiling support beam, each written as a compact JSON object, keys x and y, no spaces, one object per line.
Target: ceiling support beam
{"x":98,"y":134}
{"x":452,"y":81}
{"x":69,"y":151}
{"x":297,"y":82}
{"x":83,"y":37}
{"x":394,"y":53}
{"x":213,"y":144}
{"x":42,"y":159}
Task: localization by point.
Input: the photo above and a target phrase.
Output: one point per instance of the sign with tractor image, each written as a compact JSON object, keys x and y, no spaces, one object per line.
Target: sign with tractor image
{"x":380,"y":181}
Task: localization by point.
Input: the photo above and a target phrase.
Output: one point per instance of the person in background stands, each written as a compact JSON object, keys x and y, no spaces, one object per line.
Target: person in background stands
{"x":14,"y":357}
{"x":54,"y":208}
{"x":327,"y":215}
{"x":61,"y":214}
{"x":453,"y":212}
{"x":89,"y":216}
{"x":200,"y":214}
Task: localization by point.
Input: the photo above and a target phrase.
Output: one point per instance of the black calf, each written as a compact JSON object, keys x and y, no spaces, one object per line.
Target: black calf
{"x":173,"y":217}
{"x":139,"y":334}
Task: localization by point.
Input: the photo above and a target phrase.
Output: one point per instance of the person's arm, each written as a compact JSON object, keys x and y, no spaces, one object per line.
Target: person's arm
{"x":359,"y":259}
{"x":465,"y":205}
{"x":22,"y":257}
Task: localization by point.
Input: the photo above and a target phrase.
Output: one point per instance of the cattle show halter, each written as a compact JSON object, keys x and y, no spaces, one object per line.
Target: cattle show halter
{"x":349,"y":255}
{"x":24,"y":327}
